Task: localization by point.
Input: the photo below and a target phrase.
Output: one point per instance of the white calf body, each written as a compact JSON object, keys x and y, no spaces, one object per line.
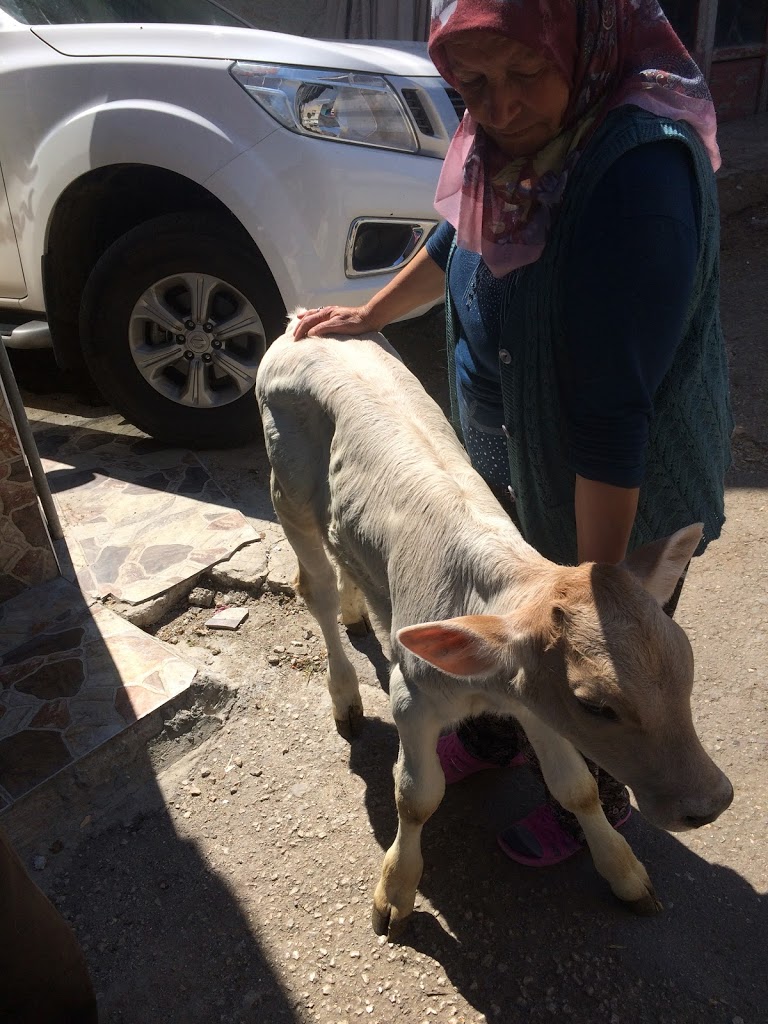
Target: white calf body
{"x":366,"y":469}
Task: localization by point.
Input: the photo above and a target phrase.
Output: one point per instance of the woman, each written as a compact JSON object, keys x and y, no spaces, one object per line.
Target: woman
{"x":579,"y":258}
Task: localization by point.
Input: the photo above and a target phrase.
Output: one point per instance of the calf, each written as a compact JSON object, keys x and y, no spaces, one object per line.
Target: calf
{"x":366,"y":468}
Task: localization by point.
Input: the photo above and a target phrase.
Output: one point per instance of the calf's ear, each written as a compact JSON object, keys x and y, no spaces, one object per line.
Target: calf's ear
{"x":658,"y":566}
{"x":472,"y":645}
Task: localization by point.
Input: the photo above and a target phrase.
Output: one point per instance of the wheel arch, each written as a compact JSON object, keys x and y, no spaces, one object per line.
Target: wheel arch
{"x":93,"y":212}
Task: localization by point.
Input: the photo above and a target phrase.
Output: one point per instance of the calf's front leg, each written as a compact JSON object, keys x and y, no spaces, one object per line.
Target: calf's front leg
{"x":419,"y":788}
{"x":571,"y":784}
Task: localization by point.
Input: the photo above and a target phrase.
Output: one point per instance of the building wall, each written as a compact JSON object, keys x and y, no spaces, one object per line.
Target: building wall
{"x":343,"y":19}
{"x":729,"y":39}
{"x":26,"y":555}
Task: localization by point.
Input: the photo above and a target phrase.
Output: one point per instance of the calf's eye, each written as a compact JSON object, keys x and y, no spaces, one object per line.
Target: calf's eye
{"x":598,"y":710}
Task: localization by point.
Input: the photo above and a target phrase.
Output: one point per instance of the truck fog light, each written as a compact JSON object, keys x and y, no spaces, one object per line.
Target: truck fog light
{"x":379,"y":245}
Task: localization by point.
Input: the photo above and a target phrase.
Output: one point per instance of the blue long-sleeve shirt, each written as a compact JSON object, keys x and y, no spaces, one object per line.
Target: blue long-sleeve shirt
{"x":627,"y":288}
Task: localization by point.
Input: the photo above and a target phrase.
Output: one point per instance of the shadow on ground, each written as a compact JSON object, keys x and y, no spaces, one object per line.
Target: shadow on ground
{"x":523,"y":944}
{"x":159,"y":926}
{"x":171,"y":935}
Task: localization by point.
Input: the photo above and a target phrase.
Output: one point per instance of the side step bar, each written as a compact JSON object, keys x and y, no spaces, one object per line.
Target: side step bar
{"x":34,"y":334}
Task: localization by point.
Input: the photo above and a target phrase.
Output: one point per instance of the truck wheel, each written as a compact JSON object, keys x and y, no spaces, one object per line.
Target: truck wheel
{"x":175,"y":318}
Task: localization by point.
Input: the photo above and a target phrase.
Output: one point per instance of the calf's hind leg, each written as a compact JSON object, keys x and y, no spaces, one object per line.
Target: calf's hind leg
{"x":317,"y":585}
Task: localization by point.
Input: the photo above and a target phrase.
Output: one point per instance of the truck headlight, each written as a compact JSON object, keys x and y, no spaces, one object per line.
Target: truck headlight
{"x":347,"y":106}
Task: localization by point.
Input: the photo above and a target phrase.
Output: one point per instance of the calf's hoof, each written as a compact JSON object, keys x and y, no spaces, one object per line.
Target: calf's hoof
{"x":647,"y":905}
{"x":351,"y":726}
{"x":388,"y":922}
{"x":361,"y":627}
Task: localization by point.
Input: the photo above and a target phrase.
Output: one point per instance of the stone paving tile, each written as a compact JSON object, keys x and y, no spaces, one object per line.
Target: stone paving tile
{"x":138,"y":520}
{"x":15,"y":719}
{"x":72,"y":676}
{"x":283,"y":568}
{"x":30,"y":756}
{"x":38,"y":613}
{"x":248,"y":567}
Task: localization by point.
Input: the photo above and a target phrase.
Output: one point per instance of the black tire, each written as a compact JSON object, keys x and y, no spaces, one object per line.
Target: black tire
{"x":179,"y":245}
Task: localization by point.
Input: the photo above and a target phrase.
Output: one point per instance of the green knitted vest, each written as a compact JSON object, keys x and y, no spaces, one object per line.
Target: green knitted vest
{"x":689,"y":443}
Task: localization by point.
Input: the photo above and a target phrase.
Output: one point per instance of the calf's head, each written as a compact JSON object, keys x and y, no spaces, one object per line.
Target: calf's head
{"x":591,"y":652}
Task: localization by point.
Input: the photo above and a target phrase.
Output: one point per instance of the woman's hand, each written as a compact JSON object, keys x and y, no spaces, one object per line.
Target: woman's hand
{"x":316,"y":323}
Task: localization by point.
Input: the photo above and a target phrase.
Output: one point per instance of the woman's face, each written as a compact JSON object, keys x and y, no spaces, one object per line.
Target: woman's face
{"x":518,"y":96}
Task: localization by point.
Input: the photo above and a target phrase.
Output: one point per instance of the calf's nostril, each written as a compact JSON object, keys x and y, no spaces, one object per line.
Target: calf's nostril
{"x":709,"y":809}
{"x":697,"y":820}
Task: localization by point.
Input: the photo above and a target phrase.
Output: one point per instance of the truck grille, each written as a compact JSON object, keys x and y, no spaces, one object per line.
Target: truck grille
{"x":456,"y":101}
{"x":418,"y":113}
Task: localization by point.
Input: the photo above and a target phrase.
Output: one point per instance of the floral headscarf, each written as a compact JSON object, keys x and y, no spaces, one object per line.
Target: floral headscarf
{"x":611,"y":52}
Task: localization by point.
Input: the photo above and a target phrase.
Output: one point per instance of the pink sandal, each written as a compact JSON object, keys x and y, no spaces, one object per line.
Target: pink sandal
{"x":457,"y":762}
{"x":539,"y":840}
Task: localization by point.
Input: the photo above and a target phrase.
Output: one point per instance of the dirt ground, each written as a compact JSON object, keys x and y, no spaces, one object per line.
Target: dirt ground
{"x":242,"y":890}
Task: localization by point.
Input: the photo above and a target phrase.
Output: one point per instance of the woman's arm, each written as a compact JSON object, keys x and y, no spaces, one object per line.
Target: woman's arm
{"x":605,"y":516}
{"x":420,"y":282}
{"x":628,"y":288}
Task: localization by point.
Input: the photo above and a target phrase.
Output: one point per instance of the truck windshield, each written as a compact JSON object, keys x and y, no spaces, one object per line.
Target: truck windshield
{"x":102,"y":12}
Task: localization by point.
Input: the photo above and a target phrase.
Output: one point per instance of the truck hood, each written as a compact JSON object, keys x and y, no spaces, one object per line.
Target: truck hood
{"x":205,"y":42}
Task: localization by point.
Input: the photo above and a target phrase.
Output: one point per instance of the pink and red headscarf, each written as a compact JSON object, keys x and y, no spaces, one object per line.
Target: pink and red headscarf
{"x":611,"y":52}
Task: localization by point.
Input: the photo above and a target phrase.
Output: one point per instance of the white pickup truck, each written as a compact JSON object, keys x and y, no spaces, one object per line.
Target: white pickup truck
{"x":172,"y":181}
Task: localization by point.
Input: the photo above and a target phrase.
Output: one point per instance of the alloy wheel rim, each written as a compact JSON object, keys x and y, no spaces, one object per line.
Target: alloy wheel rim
{"x":196,"y":340}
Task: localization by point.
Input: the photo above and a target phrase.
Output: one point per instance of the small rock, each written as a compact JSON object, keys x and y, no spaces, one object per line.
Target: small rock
{"x":273,"y":659}
{"x":279,"y":649}
{"x":39,"y":862}
{"x":195,"y":791}
{"x":205,"y":772}
{"x":201,"y":597}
